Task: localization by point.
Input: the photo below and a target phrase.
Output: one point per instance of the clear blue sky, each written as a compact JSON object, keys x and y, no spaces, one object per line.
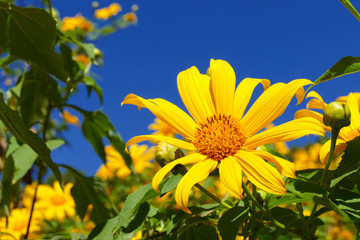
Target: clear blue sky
{"x":279,"y":40}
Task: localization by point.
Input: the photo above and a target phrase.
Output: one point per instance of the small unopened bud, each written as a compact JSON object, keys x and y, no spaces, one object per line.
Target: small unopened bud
{"x":336,"y":115}
{"x":165,"y":153}
{"x":135,"y":8}
{"x":95,"y":4}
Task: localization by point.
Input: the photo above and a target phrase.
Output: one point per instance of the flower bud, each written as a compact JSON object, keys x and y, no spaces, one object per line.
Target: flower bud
{"x":95,"y":4}
{"x":336,"y":115}
{"x":165,"y":153}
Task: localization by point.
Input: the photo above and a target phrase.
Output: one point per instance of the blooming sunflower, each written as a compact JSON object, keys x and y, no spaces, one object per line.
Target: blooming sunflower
{"x":346,"y":134}
{"x":220,"y":132}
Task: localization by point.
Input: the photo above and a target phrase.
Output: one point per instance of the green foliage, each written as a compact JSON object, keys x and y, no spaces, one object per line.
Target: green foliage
{"x":231,"y":221}
{"x":6,"y":183}
{"x":29,"y":33}
{"x":18,"y":129}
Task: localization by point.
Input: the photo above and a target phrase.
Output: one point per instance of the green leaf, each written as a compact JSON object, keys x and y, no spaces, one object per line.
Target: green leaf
{"x":290,"y":198}
{"x":230,"y":222}
{"x":132,"y":204}
{"x":350,"y":162}
{"x":18,"y":129}
{"x":70,"y":66}
{"x":97,"y":125}
{"x":299,"y":187}
{"x":91,"y":85}
{"x":331,"y":205}
{"x":65,"y":236}
{"x":199,"y":232}
{"x":170,"y":184}
{"x":88,"y":190}
{"x":30,"y":33}
{"x":104,"y":230}
{"x":6,"y":183}
{"x":286,"y":217}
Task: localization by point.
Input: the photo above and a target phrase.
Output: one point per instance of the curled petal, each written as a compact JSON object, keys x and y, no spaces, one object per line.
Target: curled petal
{"x":286,"y":132}
{"x":190,"y":159}
{"x":231,"y":176}
{"x":286,"y":167}
{"x":167,"y":112}
{"x":270,"y":105}
{"x":194,"y":89}
{"x":260,"y":173}
{"x":317,"y":102}
{"x":158,"y":138}
{"x":222,"y":85}
{"x":325,"y":149}
{"x":197,"y":173}
{"x":244,"y":92}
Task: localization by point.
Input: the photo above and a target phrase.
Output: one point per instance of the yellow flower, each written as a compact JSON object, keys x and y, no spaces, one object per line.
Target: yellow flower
{"x":140,"y":155}
{"x":130,"y":17}
{"x":17,"y":224}
{"x":70,"y":119}
{"x":346,"y":134}
{"x":308,"y":158}
{"x":105,"y":13}
{"x":55,"y":203}
{"x":82,"y":58}
{"x":161,"y":128}
{"x":220,"y":132}
{"x":281,"y":147}
{"x":344,"y":98}
{"x":71,"y":23}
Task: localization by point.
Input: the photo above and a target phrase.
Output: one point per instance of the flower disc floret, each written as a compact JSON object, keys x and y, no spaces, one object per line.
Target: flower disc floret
{"x":219,"y":136}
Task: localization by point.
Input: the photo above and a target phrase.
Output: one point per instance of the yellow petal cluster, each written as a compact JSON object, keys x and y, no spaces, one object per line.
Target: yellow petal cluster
{"x":223,"y":135}
{"x":161,"y":128}
{"x":107,"y":12}
{"x":70,"y":119}
{"x":71,"y":23}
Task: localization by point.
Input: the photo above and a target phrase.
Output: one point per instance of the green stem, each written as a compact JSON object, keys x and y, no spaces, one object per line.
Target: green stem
{"x":351,"y":8}
{"x":334,"y":135}
{"x":262,"y":209}
{"x":50,"y":7}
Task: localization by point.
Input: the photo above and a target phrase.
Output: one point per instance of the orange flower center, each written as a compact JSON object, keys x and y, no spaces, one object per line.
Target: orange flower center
{"x":58,"y":200}
{"x":219,"y":136}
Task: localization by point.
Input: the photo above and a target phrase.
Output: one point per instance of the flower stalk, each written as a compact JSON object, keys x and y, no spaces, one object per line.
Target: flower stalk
{"x":351,"y":8}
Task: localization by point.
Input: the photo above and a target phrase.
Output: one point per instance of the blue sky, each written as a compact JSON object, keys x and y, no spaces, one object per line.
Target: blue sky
{"x":279,"y":40}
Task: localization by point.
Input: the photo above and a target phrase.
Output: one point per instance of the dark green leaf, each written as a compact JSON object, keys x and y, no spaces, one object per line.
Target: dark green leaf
{"x":91,"y":85}
{"x":30,"y":33}
{"x":90,"y":190}
{"x":199,"y":232}
{"x":18,"y":129}
{"x":95,"y":136}
{"x":350,"y":162}
{"x":6,"y":183}
{"x":346,"y":65}
{"x":170,"y":184}
{"x":70,"y":66}
{"x":286,"y":217}
{"x":104,"y":230}
{"x":290,"y":198}
{"x":132,"y":204}
{"x":331,"y":205}
{"x":299,"y":187}
{"x":231,"y":221}
{"x":65,"y":236}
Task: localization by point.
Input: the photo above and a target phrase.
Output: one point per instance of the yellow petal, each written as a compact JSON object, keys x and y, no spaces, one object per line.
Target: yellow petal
{"x":231,"y":176}
{"x":270,"y":105}
{"x":325,"y":150}
{"x":243,"y":94}
{"x":353,"y":105}
{"x":317,"y":102}
{"x":158,"y":138}
{"x":197,"y":173}
{"x":260,"y":173}
{"x":194,"y":89}
{"x":222,"y":85}
{"x":189,"y":159}
{"x":286,"y":167}
{"x":167,"y":112}
{"x":286,"y":132}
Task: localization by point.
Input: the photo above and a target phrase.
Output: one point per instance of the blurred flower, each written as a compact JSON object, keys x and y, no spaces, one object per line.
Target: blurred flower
{"x":346,"y":133}
{"x":135,"y":8}
{"x":336,"y":233}
{"x":55,"y":203}
{"x":344,"y":98}
{"x":161,"y":128}
{"x":222,"y":135}
{"x":82,"y":58}
{"x":17,"y":224}
{"x":140,"y":155}
{"x":70,"y":119}
{"x":71,"y":23}
{"x":130,"y":17}
{"x":107,"y":12}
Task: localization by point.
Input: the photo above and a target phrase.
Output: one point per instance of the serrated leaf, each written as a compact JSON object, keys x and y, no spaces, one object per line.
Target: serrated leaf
{"x":350,"y":162}
{"x":90,"y":190}
{"x":231,"y":221}
{"x":6,"y":183}
{"x":18,"y":129}
{"x":30,"y":33}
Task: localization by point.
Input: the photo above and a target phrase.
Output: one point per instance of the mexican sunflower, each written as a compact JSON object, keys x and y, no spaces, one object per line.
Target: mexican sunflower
{"x":221,"y":135}
{"x":346,"y":134}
